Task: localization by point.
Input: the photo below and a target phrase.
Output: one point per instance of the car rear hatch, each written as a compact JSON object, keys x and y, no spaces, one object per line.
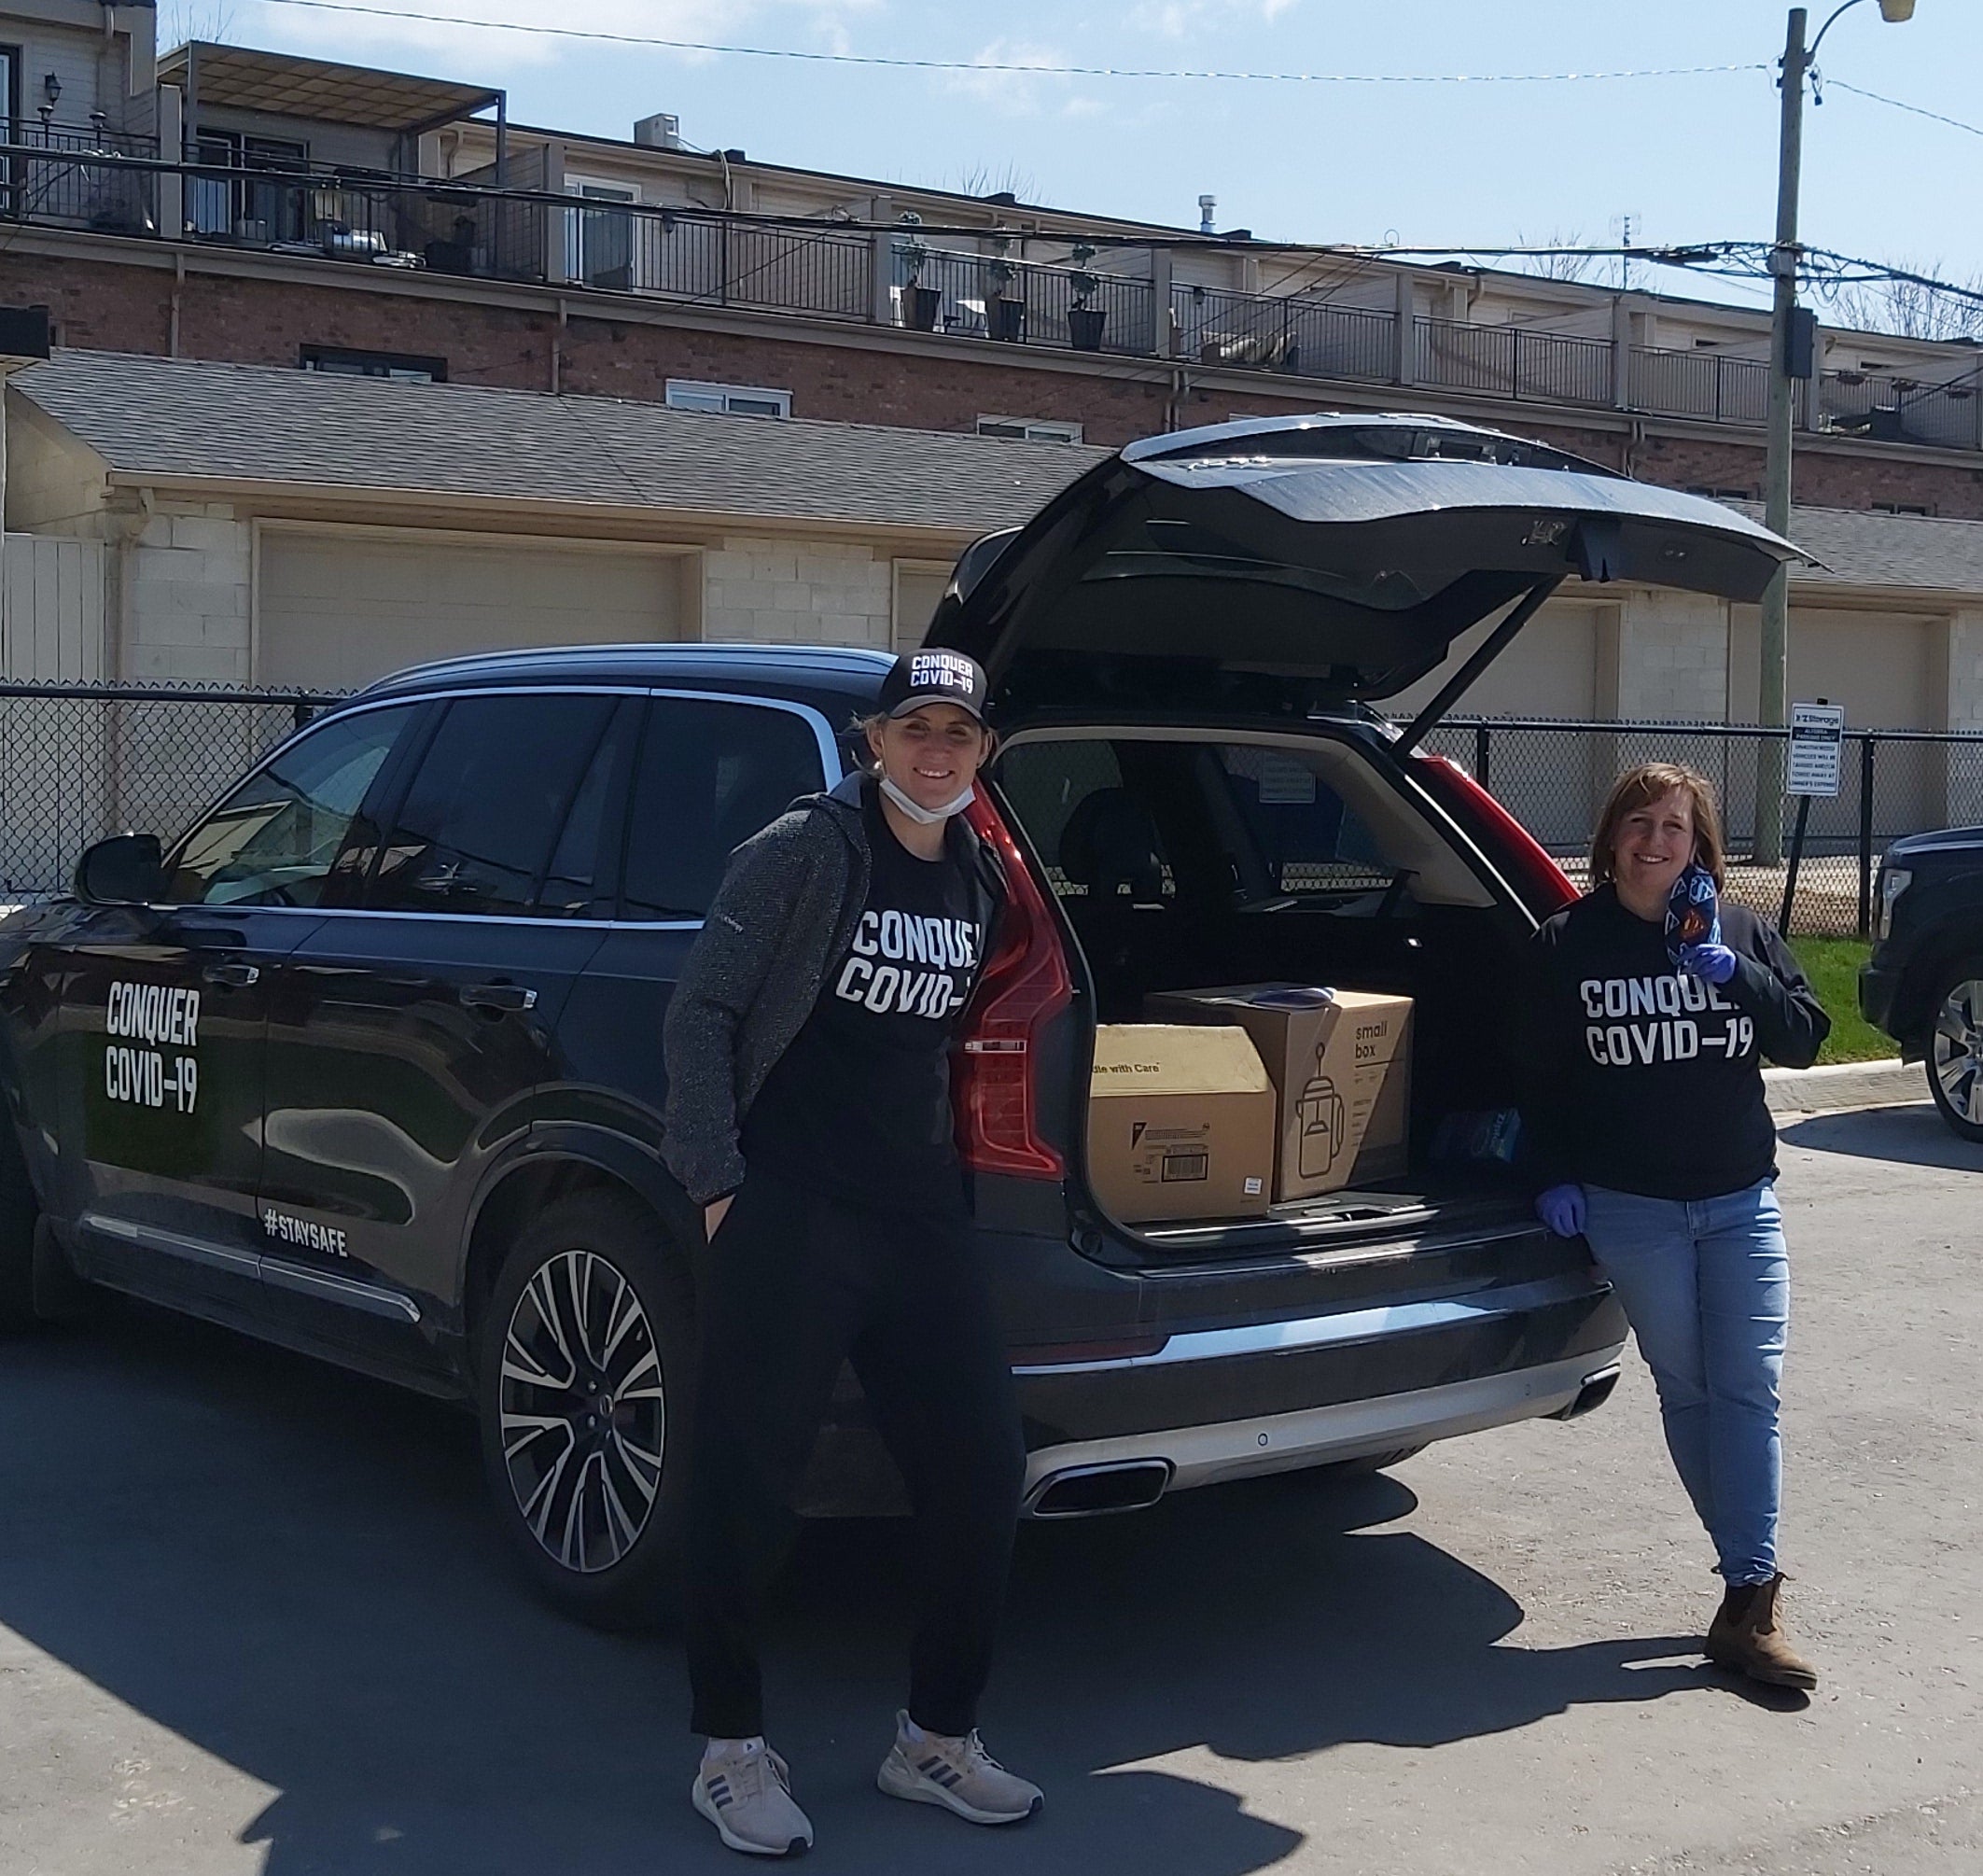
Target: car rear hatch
{"x":1293,"y":564}
{"x":1281,"y":575}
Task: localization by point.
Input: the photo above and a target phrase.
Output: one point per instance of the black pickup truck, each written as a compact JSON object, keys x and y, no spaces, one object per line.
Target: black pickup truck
{"x":1923,"y":984}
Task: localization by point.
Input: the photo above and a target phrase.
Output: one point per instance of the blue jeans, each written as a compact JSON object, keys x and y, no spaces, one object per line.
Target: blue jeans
{"x":1706,"y":1285}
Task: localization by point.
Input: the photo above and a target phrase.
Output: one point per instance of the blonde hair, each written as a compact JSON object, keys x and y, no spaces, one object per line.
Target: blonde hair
{"x":1641,"y":787}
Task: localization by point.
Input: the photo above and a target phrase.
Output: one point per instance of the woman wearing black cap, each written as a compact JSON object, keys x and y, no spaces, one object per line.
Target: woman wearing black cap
{"x":809,"y":1114}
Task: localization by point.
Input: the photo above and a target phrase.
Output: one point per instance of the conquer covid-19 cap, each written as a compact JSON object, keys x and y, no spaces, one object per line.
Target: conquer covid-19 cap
{"x":922,"y":678}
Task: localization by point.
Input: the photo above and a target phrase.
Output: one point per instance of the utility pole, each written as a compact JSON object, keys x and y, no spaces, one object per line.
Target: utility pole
{"x":1773,"y":699}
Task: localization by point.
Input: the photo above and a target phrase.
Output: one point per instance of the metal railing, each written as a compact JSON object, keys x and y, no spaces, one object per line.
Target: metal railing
{"x":117,"y":184}
{"x":40,"y":181}
{"x":1553,"y":776}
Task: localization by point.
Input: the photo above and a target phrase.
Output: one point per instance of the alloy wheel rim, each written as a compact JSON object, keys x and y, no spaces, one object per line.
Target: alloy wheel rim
{"x":1958,"y":1050}
{"x":583,"y":1412}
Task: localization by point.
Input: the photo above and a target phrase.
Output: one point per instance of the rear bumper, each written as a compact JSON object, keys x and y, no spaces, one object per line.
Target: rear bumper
{"x":1253,"y":1375}
{"x":1286,"y":1442}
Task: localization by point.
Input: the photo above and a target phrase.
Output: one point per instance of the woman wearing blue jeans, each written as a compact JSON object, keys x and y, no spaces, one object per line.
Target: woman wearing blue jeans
{"x":1651,"y":1138}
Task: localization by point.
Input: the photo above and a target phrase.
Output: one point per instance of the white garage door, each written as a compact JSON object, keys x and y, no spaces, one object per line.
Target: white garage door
{"x":1550,"y":669}
{"x":337,"y":610}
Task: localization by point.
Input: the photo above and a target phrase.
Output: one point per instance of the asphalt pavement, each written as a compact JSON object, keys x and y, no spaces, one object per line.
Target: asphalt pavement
{"x":254,"y":1617}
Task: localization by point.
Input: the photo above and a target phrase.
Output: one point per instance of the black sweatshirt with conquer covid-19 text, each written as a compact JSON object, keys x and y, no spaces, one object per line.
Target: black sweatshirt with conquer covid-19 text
{"x":1648,"y":1080}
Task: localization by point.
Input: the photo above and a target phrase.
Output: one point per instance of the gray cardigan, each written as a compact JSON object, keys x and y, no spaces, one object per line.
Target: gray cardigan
{"x":785,"y":913}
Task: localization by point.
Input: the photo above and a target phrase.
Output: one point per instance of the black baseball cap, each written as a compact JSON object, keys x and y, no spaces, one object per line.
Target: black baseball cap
{"x":934,"y":676}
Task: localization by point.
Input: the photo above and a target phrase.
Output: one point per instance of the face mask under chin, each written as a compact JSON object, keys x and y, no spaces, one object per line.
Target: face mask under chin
{"x":926,"y":817}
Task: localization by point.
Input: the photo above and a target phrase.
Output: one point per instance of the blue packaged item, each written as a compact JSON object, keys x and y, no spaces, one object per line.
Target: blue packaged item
{"x":1693,"y":912}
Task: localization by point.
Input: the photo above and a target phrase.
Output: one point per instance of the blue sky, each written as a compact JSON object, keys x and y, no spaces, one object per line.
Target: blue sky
{"x":1689,"y":158}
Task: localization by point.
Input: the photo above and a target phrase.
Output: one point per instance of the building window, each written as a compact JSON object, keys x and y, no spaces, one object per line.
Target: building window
{"x":254,"y":210}
{"x":409,"y":368}
{"x":599,"y":241}
{"x":730,"y":401}
{"x":1920,"y":507}
{"x":1031,"y":429}
{"x":1723,"y":493}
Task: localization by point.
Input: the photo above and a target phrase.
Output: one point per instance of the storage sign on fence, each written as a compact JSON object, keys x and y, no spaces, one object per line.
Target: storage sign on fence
{"x":1817,"y":736}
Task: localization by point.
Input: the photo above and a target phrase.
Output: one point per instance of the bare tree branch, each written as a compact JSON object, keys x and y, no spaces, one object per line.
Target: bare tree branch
{"x":1908,"y":309}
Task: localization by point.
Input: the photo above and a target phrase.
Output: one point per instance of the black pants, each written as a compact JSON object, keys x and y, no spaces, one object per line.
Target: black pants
{"x":794,"y":1283}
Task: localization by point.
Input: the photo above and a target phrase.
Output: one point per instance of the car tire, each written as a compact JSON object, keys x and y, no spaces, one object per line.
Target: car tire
{"x":586,"y":1352}
{"x":1955,"y":1048}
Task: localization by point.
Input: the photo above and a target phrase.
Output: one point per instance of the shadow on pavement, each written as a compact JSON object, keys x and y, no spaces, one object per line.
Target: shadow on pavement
{"x":1913,"y":1136}
{"x":293,"y":1569}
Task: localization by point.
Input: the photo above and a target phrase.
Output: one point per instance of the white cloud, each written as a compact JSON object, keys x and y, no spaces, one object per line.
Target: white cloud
{"x":1018,"y":78}
{"x":450,"y":38}
{"x":1190,"y":19}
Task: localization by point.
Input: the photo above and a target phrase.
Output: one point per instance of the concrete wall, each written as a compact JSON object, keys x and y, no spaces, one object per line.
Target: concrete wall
{"x":806,"y":592}
{"x":190,"y":598}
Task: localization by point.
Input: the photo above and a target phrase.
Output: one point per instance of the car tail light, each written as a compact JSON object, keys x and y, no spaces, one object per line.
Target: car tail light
{"x":1504,"y":839}
{"x":1025,"y":985}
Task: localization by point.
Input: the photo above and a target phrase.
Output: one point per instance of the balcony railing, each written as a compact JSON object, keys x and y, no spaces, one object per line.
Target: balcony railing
{"x":111,"y":194}
{"x":106,"y":182}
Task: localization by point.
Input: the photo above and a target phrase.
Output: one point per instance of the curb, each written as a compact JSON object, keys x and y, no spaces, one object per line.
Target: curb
{"x":1844,"y":1084}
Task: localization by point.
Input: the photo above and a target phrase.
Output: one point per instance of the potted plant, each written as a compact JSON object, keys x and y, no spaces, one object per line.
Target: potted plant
{"x":1084,"y":322}
{"x":1004,"y":318}
{"x":920,"y":303}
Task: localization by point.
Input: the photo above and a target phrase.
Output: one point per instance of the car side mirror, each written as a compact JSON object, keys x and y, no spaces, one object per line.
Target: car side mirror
{"x":128,"y":869}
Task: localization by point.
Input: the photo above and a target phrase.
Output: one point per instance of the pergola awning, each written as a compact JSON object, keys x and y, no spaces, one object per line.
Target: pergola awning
{"x":283,"y":85}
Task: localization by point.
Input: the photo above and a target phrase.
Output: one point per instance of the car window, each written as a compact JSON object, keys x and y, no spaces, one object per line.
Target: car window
{"x":1297,"y":825}
{"x":576,"y":885}
{"x":487,"y":805}
{"x":275,"y":840}
{"x":711,"y":775}
{"x":1091,"y":829}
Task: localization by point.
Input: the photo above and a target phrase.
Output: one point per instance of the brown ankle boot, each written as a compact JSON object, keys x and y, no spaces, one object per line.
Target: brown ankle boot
{"x":1748,"y":1637}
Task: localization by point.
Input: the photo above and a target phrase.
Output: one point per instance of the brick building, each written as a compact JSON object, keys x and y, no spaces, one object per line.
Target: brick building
{"x":219,"y":204}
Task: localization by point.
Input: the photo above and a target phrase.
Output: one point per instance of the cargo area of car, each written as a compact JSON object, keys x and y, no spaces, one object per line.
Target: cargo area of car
{"x":1189,"y":860}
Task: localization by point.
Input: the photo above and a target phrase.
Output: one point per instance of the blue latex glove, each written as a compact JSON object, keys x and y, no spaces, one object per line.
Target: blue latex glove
{"x":1561,"y":1208}
{"x":1714,"y":963}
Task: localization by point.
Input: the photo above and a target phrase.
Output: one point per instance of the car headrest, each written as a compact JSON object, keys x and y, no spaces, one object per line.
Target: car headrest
{"x":1109,"y":841}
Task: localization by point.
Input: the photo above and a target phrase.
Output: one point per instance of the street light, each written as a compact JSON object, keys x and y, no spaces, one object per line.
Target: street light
{"x":1773,"y":701}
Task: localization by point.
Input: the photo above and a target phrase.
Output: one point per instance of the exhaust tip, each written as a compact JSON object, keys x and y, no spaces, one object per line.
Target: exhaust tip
{"x":1095,"y":1490}
{"x":1596,"y":1390}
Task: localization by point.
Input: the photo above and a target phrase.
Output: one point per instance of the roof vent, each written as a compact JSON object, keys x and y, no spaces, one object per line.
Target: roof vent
{"x":661,"y":132}
{"x":1004,"y":197}
{"x":1207,"y":205}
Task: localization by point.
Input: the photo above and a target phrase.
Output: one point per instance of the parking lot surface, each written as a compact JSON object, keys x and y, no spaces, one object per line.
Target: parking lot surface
{"x":254,"y":1617}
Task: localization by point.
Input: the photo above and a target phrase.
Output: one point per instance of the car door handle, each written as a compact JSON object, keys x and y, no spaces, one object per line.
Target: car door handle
{"x":501,"y":997}
{"x":233,"y":971}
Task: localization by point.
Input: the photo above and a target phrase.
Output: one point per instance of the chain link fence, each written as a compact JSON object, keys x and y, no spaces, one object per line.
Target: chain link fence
{"x":1553,"y":777}
{"x":80,"y":762}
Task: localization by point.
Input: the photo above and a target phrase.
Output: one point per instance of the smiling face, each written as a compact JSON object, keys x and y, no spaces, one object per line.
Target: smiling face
{"x":1652,"y":845}
{"x":933,"y":754}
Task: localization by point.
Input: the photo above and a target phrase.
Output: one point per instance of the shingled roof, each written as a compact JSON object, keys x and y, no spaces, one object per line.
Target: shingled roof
{"x":177,"y":419}
{"x":186,"y":420}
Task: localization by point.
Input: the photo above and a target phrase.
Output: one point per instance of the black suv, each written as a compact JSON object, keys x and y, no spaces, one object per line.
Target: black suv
{"x":369,"y":1061}
{"x":1923,"y":984}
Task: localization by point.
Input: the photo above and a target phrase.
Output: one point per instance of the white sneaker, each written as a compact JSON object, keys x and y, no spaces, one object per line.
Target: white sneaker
{"x":745,"y":1790}
{"x":958,"y":1774}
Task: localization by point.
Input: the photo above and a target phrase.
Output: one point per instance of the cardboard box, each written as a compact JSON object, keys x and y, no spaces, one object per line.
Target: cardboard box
{"x":1341,"y":1066}
{"x":1181,"y":1123}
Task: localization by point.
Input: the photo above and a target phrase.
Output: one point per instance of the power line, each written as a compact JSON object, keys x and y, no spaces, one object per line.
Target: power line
{"x":401,"y":16}
{"x":1912,"y":110}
